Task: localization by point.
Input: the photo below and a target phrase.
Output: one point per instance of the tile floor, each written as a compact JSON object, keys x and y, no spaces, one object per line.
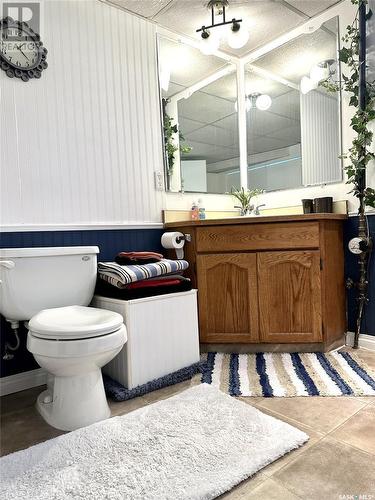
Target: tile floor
{"x":338,"y":462}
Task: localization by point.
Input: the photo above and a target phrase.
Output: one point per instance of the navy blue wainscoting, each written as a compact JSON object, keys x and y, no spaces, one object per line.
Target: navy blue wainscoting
{"x":109,"y":241}
{"x":351,"y":270}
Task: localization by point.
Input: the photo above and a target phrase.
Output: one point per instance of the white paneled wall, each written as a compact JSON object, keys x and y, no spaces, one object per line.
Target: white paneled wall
{"x":320,"y":139}
{"x":80,"y":145}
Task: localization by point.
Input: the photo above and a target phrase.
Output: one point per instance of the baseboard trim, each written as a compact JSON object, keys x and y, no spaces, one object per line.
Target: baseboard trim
{"x":22,"y":381}
{"x":364,"y":341}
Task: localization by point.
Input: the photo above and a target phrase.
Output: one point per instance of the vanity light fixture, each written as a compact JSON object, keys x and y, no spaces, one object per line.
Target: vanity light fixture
{"x":321,"y":71}
{"x":256,"y":100}
{"x":236,"y":37}
{"x":307,"y":84}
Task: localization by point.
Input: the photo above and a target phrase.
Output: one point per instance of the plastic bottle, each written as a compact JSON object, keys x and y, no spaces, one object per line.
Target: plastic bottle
{"x":194,"y":211}
{"x":201,"y":210}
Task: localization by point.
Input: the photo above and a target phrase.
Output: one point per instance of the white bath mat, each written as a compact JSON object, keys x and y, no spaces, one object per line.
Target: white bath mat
{"x":195,"y":445}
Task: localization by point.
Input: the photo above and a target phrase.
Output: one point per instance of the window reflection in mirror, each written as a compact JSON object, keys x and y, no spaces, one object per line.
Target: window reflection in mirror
{"x":200,"y":120}
{"x":293,"y":125}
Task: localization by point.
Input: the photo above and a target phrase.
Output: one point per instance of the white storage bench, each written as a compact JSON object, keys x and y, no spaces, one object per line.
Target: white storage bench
{"x":162,"y":336}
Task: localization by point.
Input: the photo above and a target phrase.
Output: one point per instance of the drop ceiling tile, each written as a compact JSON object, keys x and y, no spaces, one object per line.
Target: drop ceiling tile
{"x":289,"y":136}
{"x":173,"y":89}
{"x":295,"y":59}
{"x":187,"y":126}
{"x":144,"y":8}
{"x":312,"y":8}
{"x":204,"y":108}
{"x":214,"y":135}
{"x":266,"y":122}
{"x":225,"y":87}
{"x":229,"y":122}
{"x":262,"y":144}
{"x":209,"y":153}
{"x":287,"y":105}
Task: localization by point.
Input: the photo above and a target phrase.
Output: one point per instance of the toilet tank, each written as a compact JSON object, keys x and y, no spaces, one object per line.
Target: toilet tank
{"x":32,"y":279}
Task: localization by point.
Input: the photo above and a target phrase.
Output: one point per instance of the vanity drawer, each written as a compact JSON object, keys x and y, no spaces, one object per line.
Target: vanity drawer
{"x":258,"y":237}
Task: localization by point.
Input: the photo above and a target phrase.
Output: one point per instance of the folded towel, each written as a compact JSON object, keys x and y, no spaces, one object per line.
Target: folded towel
{"x":124,"y":258}
{"x":121,"y":276}
{"x":153,"y":283}
{"x":107,"y":290}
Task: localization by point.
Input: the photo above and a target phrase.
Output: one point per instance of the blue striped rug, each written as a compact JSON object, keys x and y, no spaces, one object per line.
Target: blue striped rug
{"x":288,"y":375}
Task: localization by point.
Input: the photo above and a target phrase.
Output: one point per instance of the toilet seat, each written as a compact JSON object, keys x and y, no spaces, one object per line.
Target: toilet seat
{"x":74,"y":323}
{"x":78,"y":348}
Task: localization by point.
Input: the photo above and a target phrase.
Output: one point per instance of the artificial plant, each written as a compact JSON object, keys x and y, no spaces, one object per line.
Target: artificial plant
{"x":362,"y":97}
{"x":170,"y":130}
{"x":359,"y":155}
{"x":244,"y":197}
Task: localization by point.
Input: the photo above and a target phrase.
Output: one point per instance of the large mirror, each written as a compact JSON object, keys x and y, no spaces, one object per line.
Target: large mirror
{"x":199,"y":116}
{"x":292,"y":124}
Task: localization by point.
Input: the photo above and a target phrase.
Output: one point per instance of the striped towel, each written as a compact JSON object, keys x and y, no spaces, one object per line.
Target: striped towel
{"x":121,"y":276}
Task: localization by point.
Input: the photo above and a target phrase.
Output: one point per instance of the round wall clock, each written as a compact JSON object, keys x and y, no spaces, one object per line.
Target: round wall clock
{"x":22,"y":54}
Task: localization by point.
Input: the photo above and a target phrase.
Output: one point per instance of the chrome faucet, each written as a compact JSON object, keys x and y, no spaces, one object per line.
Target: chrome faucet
{"x":256,"y":209}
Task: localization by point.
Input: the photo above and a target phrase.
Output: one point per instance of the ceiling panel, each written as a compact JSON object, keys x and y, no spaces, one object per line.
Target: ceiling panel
{"x":225,"y":87}
{"x":204,"y":107}
{"x":295,"y":59}
{"x":291,"y":135}
{"x":174,"y":88}
{"x":214,"y":136}
{"x":287,"y":105}
{"x":187,"y":126}
{"x":261,"y":144}
{"x":229,"y":122}
{"x":266,"y":122}
{"x":145,"y":8}
{"x":211,"y":154}
{"x":312,"y":7}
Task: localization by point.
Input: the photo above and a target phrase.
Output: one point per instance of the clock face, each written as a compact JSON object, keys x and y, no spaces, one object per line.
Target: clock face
{"x":20,"y":54}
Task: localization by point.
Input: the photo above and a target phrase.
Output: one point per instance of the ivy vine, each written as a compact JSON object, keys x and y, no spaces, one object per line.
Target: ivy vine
{"x":359,"y":155}
{"x":170,"y":129}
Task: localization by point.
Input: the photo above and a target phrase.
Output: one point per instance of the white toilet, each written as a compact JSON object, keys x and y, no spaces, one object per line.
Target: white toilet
{"x":50,"y":288}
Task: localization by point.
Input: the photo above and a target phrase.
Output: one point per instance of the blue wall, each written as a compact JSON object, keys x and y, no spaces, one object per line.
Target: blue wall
{"x":351,"y":270}
{"x":110,"y":242}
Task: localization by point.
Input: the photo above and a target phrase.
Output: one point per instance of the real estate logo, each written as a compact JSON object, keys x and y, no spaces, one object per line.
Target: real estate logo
{"x":23,"y":12}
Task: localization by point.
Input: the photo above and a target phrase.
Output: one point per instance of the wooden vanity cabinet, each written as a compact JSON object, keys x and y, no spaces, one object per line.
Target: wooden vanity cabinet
{"x":269,"y":280}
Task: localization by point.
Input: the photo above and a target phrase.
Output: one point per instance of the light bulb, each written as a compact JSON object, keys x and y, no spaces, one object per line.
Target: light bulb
{"x":263,"y":102}
{"x":209,"y":45}
{"x":319,"y":73}
{"x":237,"y":39}
{"x":307,"y":84}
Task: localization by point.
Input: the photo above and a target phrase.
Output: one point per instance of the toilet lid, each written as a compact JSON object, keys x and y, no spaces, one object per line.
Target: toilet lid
{"x":74,"y":322}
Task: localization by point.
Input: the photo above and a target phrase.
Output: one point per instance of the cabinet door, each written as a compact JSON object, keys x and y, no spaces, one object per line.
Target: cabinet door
{"x":228,"y":298}
{"x":289,"y":296}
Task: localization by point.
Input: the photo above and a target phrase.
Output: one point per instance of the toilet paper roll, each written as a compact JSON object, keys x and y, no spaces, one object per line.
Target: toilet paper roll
{"x":174,"y":240}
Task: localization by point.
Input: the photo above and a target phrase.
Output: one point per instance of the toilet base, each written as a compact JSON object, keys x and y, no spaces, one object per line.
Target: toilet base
{"x":76,"y":401}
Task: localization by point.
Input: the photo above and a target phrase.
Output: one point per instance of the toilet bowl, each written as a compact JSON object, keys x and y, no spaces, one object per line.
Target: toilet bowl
{"x":73,"y":343}
{"x":50,"y":288}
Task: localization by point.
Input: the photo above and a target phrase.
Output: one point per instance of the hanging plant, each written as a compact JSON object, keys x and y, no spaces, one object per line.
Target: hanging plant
{"x":170,"y":130}
{"x":359,"y":155}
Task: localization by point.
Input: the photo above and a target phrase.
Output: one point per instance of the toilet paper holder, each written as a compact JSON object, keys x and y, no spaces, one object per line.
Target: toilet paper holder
{"x":185,"y":237}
